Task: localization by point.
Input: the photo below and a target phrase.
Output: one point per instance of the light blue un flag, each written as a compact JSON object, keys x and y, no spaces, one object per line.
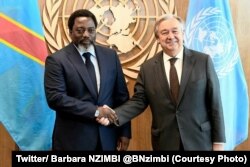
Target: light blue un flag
{"x":209,"y":29}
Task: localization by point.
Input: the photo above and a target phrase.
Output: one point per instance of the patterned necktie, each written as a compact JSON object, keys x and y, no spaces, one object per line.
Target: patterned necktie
{"x":173,"y":79}
{"x":90,"y":68}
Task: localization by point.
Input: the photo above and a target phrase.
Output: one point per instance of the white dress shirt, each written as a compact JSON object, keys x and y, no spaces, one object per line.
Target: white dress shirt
{"x":178,"y":64}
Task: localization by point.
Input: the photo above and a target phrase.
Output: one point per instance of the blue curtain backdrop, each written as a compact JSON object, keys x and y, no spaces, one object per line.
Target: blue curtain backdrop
{"x":23,"y":108}
{"x":209,"y":29}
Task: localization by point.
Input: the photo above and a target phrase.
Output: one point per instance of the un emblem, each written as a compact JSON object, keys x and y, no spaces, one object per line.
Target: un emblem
{"x":211,"y":33}
{"x":124,"y":25}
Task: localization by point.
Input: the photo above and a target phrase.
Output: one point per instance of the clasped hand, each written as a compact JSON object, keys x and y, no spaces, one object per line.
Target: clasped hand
{"x":107,"y":116}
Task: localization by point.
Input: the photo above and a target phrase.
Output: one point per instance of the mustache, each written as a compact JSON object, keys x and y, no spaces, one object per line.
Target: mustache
{"x":84,"y":39}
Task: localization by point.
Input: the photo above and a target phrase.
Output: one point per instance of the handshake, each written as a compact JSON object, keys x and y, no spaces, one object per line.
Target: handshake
{"x":107,"y":116}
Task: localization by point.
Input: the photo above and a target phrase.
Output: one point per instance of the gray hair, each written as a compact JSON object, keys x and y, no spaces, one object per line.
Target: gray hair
{"x":167,"y":17}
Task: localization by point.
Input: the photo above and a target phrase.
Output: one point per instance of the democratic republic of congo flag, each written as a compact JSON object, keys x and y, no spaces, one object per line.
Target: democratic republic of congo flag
{"x":23,"y":108}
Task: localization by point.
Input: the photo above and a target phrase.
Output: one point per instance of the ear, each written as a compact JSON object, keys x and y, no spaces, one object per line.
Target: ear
{"x":70,"y":33}
{"x":158,"y":40}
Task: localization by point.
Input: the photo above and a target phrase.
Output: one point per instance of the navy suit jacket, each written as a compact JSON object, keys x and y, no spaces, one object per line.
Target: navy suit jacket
{"x":197,"y":119}
{"x":69,"y":91}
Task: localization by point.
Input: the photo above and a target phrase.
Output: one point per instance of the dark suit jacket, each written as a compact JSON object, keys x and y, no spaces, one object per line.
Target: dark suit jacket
{"x":70,"y":93}
{"x":197,"y":119}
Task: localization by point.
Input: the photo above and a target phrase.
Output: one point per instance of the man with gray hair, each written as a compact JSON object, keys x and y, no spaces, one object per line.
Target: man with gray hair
{"x":182,"y":89}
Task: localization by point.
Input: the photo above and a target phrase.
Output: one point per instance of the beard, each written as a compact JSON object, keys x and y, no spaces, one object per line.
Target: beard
{"x":85,"y":42}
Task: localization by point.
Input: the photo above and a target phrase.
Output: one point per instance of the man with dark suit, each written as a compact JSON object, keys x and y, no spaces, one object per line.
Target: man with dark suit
{"x":75,"y":93}
{"x":191,"y":118}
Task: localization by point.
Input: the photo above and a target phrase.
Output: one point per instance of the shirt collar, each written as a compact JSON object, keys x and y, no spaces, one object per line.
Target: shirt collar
{"x":82,"y":50}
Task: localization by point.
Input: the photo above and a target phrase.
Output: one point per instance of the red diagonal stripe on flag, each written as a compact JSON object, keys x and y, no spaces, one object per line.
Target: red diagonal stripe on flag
{"x":23,"y":40}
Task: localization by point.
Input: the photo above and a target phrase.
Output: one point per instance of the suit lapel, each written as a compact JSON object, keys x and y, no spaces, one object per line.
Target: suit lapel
{"x":188,"y":63}
{"x":74,"y":56}
{"x":160,"y":74}
{"x":102,"y":63}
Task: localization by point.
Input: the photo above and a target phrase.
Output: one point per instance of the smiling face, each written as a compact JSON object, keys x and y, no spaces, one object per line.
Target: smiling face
{"x":170,"y":36}
{"x":83,"y":31}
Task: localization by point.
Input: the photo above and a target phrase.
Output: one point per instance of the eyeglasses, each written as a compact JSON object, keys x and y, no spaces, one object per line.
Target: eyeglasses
{"x":90,"y":30}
